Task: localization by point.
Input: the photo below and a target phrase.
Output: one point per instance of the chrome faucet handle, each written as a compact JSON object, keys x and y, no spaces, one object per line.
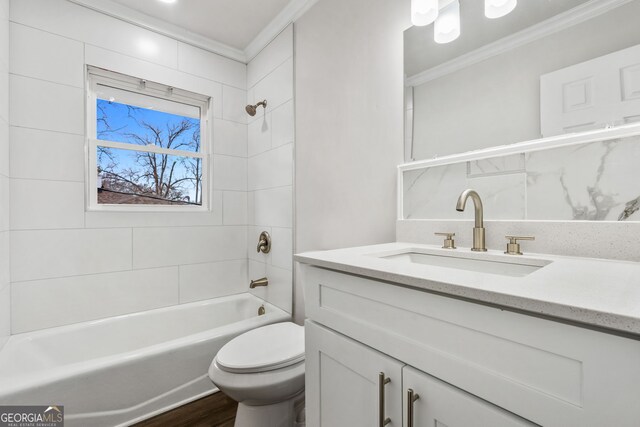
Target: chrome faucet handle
{"x":513,"y":247}
{"x":448,"y":243}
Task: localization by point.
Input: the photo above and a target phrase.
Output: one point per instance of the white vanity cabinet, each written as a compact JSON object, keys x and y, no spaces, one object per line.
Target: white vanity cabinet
{"x":349,"y":383}
{"x":471,"y":364}
{"x":440,"y":404}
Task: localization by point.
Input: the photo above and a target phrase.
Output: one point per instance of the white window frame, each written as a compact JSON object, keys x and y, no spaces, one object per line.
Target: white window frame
{"x":96,"y":76}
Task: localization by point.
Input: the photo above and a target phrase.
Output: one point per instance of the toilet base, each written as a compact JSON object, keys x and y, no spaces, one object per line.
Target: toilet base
{"x":282,"y":414}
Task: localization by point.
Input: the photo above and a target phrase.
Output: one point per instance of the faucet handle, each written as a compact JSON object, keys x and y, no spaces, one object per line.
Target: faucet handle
{"x":449,"y":243}
{"x":264,"y":243}
{"x":513,"y":247}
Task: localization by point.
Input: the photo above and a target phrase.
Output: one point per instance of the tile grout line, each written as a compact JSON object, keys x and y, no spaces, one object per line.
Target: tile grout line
{"x":80,"y":88}
{"x":164,"y":267}
{"x":124,"y":227}
{"x":277,"y":147}
{"x":273,"y":70}
{"x":45,"y":130}
{"x":132,"y":248}
{"x":177,"y":69}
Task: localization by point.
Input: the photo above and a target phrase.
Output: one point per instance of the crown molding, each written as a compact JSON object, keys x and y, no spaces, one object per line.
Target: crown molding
{"x":560,"y":22}
{"x":131,"y":16}
{"x":292,"y":11}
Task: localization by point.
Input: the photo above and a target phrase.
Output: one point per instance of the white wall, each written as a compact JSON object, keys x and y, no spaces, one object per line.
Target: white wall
{"x":349,"y":123}
{"x":5,"y":289}
{"x":498,"y":100}
{"x":69,"y":265}
{"x":270,"y":169}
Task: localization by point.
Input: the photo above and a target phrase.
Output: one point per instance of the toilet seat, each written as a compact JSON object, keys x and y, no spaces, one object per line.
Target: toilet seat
{"x":263,"y":349}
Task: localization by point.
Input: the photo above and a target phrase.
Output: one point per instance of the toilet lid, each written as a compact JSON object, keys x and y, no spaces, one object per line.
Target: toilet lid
{"x":263,"y":349}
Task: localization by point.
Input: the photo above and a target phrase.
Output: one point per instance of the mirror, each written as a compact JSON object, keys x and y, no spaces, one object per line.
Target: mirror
{"x":545,"y":69}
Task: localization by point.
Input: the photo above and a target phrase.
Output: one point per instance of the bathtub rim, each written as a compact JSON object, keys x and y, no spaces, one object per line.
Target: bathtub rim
{"x":22,"y":381}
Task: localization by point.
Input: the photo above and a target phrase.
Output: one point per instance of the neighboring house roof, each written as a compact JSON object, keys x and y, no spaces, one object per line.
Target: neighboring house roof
{"x":111,"y":197}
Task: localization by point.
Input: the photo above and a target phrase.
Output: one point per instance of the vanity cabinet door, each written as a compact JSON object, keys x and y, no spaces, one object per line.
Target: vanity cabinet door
{"x":440,"y":404}
{"x":343,"y":382}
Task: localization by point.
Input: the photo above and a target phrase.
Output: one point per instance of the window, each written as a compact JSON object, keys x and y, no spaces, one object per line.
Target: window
{"x":148,"y":145}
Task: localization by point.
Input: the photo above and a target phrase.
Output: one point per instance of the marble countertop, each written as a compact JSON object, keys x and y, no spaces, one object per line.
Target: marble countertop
{"x":597,"y":292}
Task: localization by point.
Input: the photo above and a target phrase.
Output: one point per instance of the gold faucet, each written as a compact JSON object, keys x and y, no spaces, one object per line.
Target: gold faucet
{"x":259,"y":282}
{"x":478,"y":229}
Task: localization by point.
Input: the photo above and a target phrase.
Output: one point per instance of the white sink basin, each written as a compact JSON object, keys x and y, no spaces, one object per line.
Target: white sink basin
{"x":517,"y":266}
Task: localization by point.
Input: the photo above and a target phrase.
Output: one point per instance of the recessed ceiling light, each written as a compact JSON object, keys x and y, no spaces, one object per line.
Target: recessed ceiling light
{"x":168,"y":1}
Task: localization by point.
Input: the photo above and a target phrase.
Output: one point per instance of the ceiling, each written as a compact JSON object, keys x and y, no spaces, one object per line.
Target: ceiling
{"x":421,"y":52}
{"x":234,"y":23}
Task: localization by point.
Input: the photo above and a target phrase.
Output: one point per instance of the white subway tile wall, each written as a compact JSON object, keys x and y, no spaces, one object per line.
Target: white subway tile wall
{"x":40,"y":204}
{"x":282,"y":125}
{"x":277,"y":52}
{"x":196,"y":279}
{"x":120,"y":293}
{"x":114,"y":61}
{"x":46,"y":155}
{"x":45,"y":254}
{"x":69,"y":20}
{"x":272,"y":207}
{"x":230,"y":137}
{"x":5,"y":288}
{"x":276,"y":87}
{"x":201,"y":63}
{"x":5,"y":185}
{"x":46,"y":56}
{"x":233,"y":103}
{"x":69,"y":265}
{"x":270,"y":168}
{"x":4,"y":140}
{"x":155,"y":247}
{"x":229,"y":173}
{"x":234,"y":208}
{"x":259,"y":132}
{"x":39,"y":104}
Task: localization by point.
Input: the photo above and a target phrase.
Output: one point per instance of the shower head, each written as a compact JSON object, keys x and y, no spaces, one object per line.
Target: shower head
{"x":251,"y":109}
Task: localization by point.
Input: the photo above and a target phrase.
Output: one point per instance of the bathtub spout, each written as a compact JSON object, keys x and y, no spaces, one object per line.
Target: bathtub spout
{"x":259,"y":282}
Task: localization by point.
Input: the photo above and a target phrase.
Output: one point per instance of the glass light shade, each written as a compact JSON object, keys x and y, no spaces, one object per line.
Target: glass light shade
{"x":447,"y":27}
{"x":423,"y":12}
{"x":498,"y":8}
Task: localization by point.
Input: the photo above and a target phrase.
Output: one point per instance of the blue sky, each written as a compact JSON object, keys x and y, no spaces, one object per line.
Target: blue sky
{"x":122,"y":122}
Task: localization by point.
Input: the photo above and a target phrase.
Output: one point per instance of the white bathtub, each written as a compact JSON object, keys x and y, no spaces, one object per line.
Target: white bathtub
{"x":121,"y":370}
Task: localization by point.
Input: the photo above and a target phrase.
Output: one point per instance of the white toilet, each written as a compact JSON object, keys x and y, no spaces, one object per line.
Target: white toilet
{"x":263,"y":370}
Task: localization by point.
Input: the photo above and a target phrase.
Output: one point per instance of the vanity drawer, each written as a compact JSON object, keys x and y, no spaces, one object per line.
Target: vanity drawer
{"x":548,"y":372}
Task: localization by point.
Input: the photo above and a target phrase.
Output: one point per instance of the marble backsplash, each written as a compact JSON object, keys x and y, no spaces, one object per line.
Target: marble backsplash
{"x":596,"y":181}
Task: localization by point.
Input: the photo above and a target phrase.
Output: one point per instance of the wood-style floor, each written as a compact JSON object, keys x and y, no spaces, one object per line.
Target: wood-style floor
{"x":216,"y":410}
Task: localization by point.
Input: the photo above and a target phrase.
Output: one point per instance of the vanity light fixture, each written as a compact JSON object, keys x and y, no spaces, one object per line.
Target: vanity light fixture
{"x":167,"y":1}
{"x":498,"y":8}
{"x":445,"y":14}
{"x":447,"y":25}
{"x":424,"y":12}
